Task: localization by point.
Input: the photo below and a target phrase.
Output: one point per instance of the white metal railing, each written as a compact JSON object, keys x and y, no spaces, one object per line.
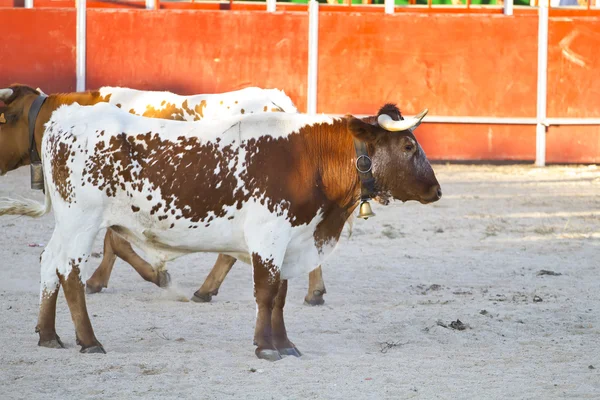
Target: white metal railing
{"x":542,"y":87}
{"x":546,"y":122}
{"x":313,"y":55}
{"x":80,"y":45}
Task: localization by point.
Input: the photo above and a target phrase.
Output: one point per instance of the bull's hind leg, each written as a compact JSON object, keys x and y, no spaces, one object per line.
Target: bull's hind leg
{"x":75,"y":295}
{"x":65,"y":256}
{"x":280,"y":339}
{"x":316,"y":288}
{"x":49,"y":287}
{"x":215,"y":278}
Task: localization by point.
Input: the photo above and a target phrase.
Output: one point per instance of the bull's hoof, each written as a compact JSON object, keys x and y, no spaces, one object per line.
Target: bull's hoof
{"x":202,"y":297}
{"x":290,"y":351}
{"x":91,"y":288}
{"x":316,"y":299}
{"x":164,"y":279}
{"x":93,"y":349}
{"x":268,"y":354}
{"x":52,"y":343}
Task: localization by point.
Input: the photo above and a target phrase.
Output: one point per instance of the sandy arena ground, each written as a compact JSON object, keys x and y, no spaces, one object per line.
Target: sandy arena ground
{"x":385,"y":331}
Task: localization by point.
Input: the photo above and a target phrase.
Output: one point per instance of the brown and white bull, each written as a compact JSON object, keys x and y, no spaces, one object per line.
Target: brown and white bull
{"x":273,"y":190}
{"x":14,"y":145}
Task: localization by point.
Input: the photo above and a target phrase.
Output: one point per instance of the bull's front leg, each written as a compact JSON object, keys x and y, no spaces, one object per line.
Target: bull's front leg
{"x":316,"y":288}
{"x":266,"y":288}
{"x":280,"y":340}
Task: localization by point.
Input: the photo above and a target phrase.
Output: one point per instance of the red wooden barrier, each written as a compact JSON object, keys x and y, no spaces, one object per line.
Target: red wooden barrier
{"x":198,"y":51}
{"x":467,"y":65}
{"x":38,"y":48}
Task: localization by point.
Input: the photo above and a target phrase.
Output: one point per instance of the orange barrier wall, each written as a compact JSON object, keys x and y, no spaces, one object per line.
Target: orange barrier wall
{"x":460,"y":65}
{"x":38,"y":48}
{"x":470,"y":65}
{"x":198,"y":51}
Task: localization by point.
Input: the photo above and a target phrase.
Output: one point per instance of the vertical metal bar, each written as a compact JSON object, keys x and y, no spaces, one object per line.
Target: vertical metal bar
{"x":81,"y":45}
{"x":540,"y":130}
{"x":271,"y":5}
{"x":313,"y":55}
{"x":157,"y":4}
{"x":508,"y":7}
{"x":28,"y":3}
{"x":389,"y":6}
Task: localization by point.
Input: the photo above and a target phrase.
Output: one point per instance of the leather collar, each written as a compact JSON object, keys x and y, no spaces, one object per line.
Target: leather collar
{"x":364,"y":166}
{"x":34,"y":110}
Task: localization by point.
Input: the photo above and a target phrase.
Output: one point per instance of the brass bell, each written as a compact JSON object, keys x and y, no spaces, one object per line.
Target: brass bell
{"x":365,"y":210}
{"x":37,"y":176}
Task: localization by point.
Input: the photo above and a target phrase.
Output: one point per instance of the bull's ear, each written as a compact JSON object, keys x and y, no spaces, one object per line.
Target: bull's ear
{"x":363,"y":131}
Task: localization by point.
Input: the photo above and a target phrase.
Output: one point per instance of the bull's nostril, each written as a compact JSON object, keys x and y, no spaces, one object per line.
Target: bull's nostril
{"x":439,"y":193}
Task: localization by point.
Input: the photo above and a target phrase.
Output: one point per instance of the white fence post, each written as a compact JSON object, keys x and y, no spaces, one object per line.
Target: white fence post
{"x":28,"y":3}
{"x":149,"y":4}
{"x":542,"y":86}
{"x":81,"y":45}
{"x":313,"y":55}
{"x":508,"y":7}
{"x":271,"y":5}
{"x":389,"y":6}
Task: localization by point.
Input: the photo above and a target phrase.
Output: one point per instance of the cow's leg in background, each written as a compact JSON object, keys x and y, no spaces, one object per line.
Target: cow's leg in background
{"x":215,"y":278}
{"x":280,"y":339}
{"x":316,"y":288}
{"x":101,"y":275}
{"x":115,"y":244}
{"x":49,"y":287}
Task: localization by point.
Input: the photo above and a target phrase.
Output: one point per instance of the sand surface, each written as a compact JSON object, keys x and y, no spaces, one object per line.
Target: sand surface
{"x":394,"y":288}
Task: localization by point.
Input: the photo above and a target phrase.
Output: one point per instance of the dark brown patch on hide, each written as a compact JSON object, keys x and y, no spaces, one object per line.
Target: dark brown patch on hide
{"x":60,"y":151}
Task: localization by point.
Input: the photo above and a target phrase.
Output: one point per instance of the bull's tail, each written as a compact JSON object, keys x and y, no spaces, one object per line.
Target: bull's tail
{"x":27,"y":207}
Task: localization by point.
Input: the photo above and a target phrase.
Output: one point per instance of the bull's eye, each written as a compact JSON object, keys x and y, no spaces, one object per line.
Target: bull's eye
{"x":408,"y":148}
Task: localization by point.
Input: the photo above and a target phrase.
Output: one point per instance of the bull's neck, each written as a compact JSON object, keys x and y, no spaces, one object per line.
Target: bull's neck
{"x":56,"y":100}
{"x":336,"y":158}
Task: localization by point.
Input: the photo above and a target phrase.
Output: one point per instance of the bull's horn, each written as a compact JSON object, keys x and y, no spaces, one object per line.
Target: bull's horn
{"x":40,"y":90}
{"x":5,"y":94}
{"x":387,"y":123}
